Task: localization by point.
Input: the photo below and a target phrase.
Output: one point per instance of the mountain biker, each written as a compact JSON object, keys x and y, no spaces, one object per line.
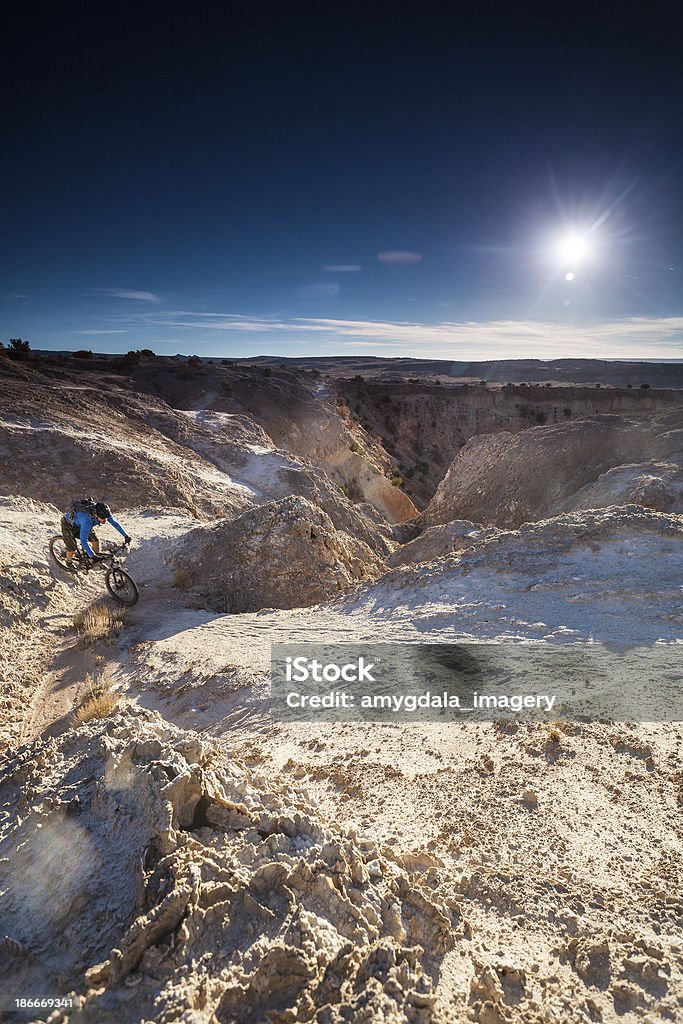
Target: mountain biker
{"x":79,"y":524}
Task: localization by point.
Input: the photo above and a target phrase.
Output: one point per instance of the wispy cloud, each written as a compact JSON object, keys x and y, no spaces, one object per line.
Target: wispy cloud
{"x":201,"y":312}
{"x":127,"y":293}
{"x":88,"y":333}
{"x":631,"y":338}
{"x":319,"y":290}
{"x":399,"y":258}
{"x":636,"y":337}
{"x":247,"y":324}
{"x":342,"y":268}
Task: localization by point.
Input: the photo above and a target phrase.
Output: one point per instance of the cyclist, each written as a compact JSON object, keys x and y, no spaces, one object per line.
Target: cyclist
{"x":79,"y":524}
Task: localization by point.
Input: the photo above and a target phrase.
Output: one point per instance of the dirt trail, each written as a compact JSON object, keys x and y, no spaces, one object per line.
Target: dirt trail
{"x":61,"y":690}
{"x":76,"y":665}
{"x":65,"y":667}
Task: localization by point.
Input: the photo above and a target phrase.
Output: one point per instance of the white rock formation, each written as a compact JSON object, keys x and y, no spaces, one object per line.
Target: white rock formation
{"x":154,"y":879}
{"x":507,"y":479}
{"x":284,"y":554}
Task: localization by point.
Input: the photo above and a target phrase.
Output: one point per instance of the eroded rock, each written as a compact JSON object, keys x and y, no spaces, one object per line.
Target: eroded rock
{"x":436,"y":541}
{"x":507,"y":479}
{"x":284,"y":554}
{"x":183,"y":884}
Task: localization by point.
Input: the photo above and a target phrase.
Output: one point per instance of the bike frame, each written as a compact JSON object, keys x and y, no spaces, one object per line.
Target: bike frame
{"x":109,"y":559}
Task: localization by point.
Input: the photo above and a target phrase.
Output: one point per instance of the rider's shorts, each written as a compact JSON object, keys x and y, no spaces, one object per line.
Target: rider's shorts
{"x":71,"y":533}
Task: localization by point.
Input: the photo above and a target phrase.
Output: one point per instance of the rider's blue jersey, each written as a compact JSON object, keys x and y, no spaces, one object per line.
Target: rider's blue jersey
{"x":85,"y":522}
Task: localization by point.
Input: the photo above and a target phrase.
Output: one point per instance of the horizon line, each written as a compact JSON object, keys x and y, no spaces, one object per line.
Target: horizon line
{"x":366,"y":356}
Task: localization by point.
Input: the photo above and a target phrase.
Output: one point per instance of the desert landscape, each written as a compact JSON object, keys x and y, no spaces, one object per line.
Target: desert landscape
{"x":170,"y":851}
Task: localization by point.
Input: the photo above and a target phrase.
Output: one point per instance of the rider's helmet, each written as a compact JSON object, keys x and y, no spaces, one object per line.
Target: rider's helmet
{"x":102,"y":510}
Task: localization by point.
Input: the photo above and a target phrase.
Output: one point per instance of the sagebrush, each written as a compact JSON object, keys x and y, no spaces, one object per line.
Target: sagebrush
{"x":99,"y":621}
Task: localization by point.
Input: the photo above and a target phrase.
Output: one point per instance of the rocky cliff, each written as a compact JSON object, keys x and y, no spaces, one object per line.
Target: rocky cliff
{"x":209,"y":439}
{"x":424,"y":425}
{"x":506,"y":479}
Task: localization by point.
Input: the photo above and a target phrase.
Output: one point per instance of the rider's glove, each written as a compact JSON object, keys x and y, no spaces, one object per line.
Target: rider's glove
{"x":127,"y":539}
{"x":97,"y":558}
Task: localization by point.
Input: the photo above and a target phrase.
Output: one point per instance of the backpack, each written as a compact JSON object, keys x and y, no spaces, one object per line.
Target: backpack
{"x":84,"y":505}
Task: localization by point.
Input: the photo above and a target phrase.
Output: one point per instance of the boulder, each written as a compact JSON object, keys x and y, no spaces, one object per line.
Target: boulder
{"x":284,"y":554}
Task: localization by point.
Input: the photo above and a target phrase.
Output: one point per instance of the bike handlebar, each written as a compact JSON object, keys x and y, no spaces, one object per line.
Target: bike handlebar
{"x":104,"y":555}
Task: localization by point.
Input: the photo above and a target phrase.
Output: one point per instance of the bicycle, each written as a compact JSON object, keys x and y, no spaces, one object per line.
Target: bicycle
{"x":118,"y":582}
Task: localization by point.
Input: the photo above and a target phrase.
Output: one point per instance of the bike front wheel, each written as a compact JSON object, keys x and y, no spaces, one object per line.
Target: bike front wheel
{"x":121,"y":586}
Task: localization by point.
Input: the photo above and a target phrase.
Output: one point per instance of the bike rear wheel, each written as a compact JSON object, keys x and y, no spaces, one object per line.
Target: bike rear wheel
{"x":58,"y":551}
{"x":121,"y":586}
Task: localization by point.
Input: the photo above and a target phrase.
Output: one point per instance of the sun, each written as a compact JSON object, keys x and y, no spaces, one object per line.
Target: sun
{"x":572,"y":248}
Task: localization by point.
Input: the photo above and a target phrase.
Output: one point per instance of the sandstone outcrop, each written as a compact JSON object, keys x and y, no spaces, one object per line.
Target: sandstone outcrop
{"x":655,"y":485}
{"x":106,"y":434}
{"x":607,"y":574}
{"x":298,"y":414}
{"x":358,"y":519}
{"x":239,"y":448}
{"x":30,"y":598}
{"x":61,"y":440}
{"x":507,"y":479}
{"x":284,"y":554}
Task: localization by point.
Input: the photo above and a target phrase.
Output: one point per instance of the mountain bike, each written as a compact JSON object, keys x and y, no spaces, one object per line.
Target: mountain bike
{"x":118,"y":582}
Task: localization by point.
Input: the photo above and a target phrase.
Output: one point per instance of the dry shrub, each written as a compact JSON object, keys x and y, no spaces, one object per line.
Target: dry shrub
{"x":182,"y":579}
{"x":353,"y":490}
{"x":99,"y":621}
{"x":98,"y":704}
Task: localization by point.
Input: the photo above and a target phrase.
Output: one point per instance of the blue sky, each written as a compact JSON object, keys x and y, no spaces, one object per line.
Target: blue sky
{"x":316,"y":184}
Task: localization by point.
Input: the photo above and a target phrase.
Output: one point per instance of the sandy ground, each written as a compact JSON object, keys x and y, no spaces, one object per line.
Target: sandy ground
{"x":558,"y":844}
